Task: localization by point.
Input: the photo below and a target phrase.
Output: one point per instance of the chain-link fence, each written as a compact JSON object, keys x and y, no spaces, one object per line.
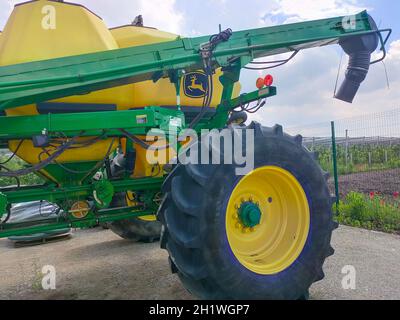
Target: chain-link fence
{"x":365,"y":151}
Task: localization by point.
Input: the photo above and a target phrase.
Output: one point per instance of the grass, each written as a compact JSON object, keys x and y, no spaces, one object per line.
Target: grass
{"x":15,"y":164}
{"x":382,"y":158}
{"x":372,"y":212}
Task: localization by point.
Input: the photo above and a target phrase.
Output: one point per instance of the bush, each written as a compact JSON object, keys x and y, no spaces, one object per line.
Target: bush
{"x":16,"y":164}
{"x":371,"y":212}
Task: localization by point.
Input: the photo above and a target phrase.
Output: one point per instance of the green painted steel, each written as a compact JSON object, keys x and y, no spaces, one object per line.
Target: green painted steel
{"x":266,"y":92}
{"x":103,"y":192}
{"x":92,"y":123}
{"x":335,"y":171}
{"x":3,"y":204}
{"x":40,"y":81}
{"x":82,"y":172}
{"x":54,"y":193}
{"x":64,"y":196}
{"x":18,"y":229}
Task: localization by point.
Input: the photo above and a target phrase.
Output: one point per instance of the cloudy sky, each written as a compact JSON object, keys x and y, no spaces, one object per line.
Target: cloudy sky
{"x":306,"y":84}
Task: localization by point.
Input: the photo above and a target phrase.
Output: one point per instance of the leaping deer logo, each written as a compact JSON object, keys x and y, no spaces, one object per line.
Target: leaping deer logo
{"x":196,"y":86}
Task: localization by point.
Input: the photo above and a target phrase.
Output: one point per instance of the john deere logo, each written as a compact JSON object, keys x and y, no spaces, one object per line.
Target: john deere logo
{"x":195,"y":84}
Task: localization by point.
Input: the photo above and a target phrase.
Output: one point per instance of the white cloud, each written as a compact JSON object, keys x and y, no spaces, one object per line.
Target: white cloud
{"x":305,"y":86}
{"x":5,"y":10}
{"x":311,"y":9}
{"x":305,"y":89}
{"x":161,"y":14}
{"x":394,"y":51}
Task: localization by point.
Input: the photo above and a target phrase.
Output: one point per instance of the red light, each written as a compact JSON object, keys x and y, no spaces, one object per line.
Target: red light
{"x":268,"y":80}
{"x":260,"y":83}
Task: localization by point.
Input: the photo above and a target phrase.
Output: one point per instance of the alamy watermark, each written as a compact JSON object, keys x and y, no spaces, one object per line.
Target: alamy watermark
{"x":49,"y":20}
{"x":349,"y":22}
{"x":349,"y":280}
{"x":226,"y":146}
{"x":49,"y":277}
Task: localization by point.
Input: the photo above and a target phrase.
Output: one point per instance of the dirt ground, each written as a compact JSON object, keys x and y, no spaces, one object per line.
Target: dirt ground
{"x":385,"y":182}
{"x":96,"y":264}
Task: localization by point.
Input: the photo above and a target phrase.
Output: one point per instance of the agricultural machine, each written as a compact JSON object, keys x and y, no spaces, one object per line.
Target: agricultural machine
{"x":80,"y":104}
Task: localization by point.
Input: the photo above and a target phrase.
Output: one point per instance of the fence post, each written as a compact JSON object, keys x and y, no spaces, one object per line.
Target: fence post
{"x":347,"y":149}
{"x":335,"y":173}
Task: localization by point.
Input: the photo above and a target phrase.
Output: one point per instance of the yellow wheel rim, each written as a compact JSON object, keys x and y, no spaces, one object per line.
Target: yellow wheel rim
{"x":270,"y":239}
{"x":131,"y":202}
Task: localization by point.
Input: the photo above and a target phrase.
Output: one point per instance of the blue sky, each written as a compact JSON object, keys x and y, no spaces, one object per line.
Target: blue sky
{"x":306,"y":84}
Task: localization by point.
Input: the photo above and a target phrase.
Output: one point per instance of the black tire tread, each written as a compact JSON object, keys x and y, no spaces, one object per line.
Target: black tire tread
{"x":183,"y":233}
{"x":134,"y":229}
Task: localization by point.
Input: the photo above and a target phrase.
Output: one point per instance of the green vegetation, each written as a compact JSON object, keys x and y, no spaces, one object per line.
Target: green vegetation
{"x":360,"y":158}
{"x":15,"y":164}
{"x":371,"y":212}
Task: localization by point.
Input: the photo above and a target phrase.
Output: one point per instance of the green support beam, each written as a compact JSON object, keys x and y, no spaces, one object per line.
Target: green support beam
{"x":21,"y":229}
{"x":137,"y":122}
{"x":40,"y":81}
{"x":35,"y":82}
{"x":55,"y":193}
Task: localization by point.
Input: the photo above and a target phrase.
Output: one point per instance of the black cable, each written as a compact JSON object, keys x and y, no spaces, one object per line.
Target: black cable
{"x":60,"y":150}
{"x":279,"y":63}
{"x":254,"y":110}
{"x":14,"y":153}
{"x":276,"y":61}
{"x":158,"y":172}
{"x":16,"y":178}
{"x":220,"y":37}
{"x":98,"y":165}
{"x":206,"y":103}
{"x":140,"y":142}
{"x":82,"y":144}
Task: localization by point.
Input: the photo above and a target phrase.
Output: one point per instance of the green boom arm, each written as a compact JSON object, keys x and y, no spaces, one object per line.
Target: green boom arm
{"x":51,"y":79}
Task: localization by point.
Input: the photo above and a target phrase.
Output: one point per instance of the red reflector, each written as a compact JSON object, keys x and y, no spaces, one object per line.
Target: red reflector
{"x":260,"y":83}
{"x":268,"y":80}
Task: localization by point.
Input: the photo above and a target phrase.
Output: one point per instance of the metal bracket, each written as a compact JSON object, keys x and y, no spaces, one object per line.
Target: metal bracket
{"x":383,"y":44}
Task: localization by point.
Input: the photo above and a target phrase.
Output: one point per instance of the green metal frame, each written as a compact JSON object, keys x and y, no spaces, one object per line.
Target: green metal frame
{"x":40,"y":81}
{"x":92,"y":123}
{"x":54,"y":193}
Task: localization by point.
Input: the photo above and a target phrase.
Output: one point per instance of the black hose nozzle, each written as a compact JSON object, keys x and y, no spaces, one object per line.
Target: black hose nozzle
{"x":359,"y":49}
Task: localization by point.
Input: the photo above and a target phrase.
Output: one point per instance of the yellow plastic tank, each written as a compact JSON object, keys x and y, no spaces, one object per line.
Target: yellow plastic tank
{"x":40,"y":30}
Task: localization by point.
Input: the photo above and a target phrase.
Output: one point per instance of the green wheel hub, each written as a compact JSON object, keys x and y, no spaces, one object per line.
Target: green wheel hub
{"x":249,"y":214}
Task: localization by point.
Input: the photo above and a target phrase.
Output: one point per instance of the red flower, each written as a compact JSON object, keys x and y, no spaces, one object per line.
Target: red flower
{"x":372,"y":195}
{"x":396,"y":194}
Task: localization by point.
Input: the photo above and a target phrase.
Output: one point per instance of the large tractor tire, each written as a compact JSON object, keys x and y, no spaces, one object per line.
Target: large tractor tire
{"x":264,"y":235}
{"x":143,"y":229}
